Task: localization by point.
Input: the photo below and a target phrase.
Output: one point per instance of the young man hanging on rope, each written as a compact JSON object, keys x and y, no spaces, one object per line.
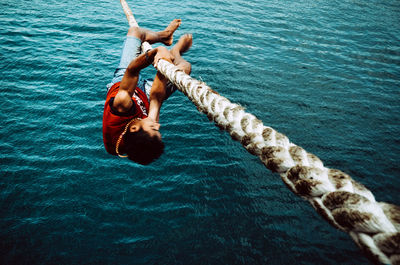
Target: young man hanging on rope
{"x":132,"y":108}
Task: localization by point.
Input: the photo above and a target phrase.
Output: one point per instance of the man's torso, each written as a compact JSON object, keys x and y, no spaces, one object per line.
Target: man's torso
{"x":114,"y":122}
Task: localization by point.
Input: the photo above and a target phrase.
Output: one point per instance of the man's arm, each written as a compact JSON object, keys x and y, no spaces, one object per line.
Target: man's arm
{"x":157,"y":96}
{"x":123,"y":99}
{"x":158,"y":89}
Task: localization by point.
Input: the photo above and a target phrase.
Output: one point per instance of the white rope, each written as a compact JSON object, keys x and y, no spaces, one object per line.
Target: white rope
{"x":343,"y":202}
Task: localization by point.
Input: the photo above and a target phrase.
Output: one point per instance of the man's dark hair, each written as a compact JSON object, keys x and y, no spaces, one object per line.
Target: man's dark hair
{"x":142,"y":148}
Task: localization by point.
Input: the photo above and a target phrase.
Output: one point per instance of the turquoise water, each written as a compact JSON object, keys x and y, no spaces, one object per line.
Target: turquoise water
{"x":325,"y":73}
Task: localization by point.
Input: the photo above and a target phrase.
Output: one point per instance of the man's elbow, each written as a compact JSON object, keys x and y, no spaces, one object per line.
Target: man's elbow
{"x":132,"y":70}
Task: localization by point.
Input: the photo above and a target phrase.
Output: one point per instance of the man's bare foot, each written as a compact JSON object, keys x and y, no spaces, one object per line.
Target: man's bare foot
{"x":183,"y":45}
{"x":169,"y":31}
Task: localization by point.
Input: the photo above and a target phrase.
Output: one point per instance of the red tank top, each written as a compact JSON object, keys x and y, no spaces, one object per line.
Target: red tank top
{"x":114,"y":123}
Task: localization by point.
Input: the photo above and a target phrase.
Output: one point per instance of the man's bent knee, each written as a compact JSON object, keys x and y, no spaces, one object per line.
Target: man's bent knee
{"x":135,"y":32}
{"x":185,"y":66}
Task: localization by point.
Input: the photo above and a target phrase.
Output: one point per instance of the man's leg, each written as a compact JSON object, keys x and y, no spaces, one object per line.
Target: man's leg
{"x":165,"y":36}
{"x":132,"y":45}
{"x":130,"y":50}
{"x":161,"y":88}
{"x":182,"y":46}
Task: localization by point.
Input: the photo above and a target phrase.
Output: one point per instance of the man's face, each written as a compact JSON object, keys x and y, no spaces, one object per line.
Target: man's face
{"x":148,"y":125}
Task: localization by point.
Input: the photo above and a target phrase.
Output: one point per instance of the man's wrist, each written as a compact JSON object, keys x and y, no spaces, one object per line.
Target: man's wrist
{"x":150,"y":55}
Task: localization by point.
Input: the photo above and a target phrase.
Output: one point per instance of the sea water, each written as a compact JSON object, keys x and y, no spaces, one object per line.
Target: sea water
{"x":324,"y":73}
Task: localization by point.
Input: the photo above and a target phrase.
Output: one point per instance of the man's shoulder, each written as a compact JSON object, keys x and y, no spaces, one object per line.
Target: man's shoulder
{"x":113,"y":90}
{"x":122,"y":102}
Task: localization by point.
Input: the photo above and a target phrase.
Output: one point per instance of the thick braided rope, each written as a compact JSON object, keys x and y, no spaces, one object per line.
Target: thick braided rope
{"x":343,"y":202}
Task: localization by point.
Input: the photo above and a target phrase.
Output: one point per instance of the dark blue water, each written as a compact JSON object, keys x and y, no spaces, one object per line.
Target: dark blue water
{"x":325,"y":73}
